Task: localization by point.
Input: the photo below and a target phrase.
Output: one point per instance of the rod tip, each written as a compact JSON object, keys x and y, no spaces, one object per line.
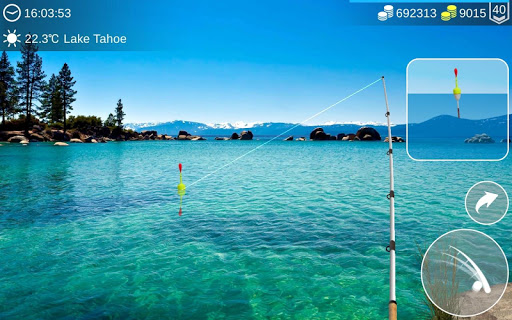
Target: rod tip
{"x":382,"y":77}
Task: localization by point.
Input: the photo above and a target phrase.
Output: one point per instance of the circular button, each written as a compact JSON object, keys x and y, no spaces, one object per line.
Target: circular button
{"x":487,"y":202}
{"x":464,"y":273}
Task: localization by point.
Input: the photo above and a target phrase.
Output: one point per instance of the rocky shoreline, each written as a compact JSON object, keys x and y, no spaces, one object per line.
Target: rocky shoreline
{"x":106,"y":134}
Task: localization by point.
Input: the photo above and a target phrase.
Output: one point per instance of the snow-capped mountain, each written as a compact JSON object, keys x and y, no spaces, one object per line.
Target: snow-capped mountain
{"x":430,"y":128}
{"x":258,"y":128}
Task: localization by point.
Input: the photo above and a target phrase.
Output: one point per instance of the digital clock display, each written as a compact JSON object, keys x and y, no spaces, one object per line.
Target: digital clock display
{"x":60,"y":13}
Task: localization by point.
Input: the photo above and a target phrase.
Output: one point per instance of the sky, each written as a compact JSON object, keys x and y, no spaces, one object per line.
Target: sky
{"x":487,"y":76}
{"x":265,"y":61}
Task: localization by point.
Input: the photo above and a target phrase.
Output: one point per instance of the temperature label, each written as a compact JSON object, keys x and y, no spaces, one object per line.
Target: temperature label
{"x":95,"y":38}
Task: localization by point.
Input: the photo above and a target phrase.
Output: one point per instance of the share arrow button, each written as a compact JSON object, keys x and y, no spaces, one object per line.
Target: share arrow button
{"x":488,"y":199}
{"x":487,"y":202}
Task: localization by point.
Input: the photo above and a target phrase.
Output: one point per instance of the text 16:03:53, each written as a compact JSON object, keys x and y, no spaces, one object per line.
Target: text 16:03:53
{"x":48,"y":13}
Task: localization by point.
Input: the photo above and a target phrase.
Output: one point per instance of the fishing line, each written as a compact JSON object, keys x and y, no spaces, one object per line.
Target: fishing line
{"x":284,"y":132}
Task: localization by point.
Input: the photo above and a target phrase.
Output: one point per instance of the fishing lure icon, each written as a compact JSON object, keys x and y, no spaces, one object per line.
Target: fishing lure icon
{"x":473,"y":270}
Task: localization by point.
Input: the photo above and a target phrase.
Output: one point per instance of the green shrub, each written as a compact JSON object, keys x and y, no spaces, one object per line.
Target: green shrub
{"x":84,"y":122}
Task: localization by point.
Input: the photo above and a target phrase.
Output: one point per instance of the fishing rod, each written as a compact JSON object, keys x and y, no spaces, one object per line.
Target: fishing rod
{"x":391,"y":197}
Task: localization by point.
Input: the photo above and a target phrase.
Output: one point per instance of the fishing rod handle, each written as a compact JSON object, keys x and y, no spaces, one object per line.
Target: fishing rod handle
{"x":392,"y":310}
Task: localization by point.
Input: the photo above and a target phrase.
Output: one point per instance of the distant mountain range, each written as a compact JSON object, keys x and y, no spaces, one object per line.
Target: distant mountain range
{"x":435,"y":127}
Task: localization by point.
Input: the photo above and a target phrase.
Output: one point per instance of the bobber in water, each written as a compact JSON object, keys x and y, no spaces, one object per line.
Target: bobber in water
{"x":181,"y":188}
{"x":457,"y":92}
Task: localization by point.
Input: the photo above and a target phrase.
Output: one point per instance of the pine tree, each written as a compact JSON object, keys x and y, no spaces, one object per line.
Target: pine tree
{"x":68,"y":94}
{"x":111,"y":121}
{"x":120,"y":114}
{"x":30,"y":79}
{"x":8,"y":90}
{"x":51,"y":108}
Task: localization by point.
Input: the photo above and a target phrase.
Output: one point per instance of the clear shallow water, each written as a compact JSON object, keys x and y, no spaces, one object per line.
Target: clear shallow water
{"x":294,"y":230}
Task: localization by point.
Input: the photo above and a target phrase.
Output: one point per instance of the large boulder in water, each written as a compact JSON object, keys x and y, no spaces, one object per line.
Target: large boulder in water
{"x":17,"y":139}
{"x":368,"y":134}
{"x":90,"y":140}
{"x":246,"y":135}
{"x":480,"y":138}
{"x":319,"y":134}
{"x":60,"y":135}
{"x":151,"y":133}
{"x":5,"y":135}
{"x":235,"y":136}
{"x":184,"y":135}
{"x":35,"y":137}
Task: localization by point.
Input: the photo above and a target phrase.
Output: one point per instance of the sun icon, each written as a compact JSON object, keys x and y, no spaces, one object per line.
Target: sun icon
{"x":11,"y":38}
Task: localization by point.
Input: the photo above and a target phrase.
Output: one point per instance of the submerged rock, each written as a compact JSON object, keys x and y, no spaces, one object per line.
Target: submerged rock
{"x":290,"y":138}
{"x":394,"y":139}
{"x":505,"y":140}
{"x":60,"y":144}
{"x":349,"y":137}
{"x":76,"y":140}
{"x":480,"y":138}
{"x":301,"y":139}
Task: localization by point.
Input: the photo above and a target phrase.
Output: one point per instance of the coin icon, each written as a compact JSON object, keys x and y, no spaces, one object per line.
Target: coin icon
{"x":382,"y":16}
{"x":452,"y":10}
{"x":389,"y":10}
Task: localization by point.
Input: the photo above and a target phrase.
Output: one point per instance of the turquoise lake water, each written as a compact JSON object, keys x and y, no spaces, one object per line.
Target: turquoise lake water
{"x":295,"y":230}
